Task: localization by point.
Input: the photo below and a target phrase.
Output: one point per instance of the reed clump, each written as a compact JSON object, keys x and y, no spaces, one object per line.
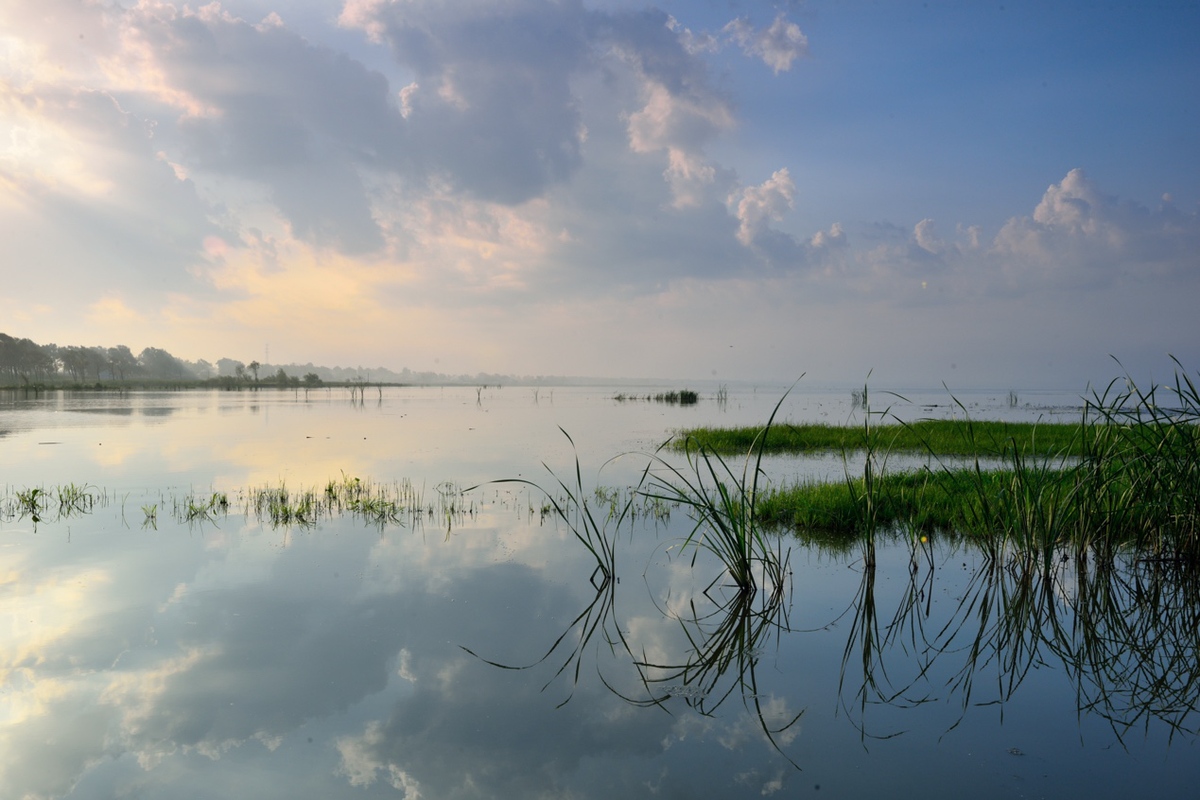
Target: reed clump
{"x":724,"y":502}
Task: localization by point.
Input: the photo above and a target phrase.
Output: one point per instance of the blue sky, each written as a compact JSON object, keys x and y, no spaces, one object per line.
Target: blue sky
{"x":1000,"y":195}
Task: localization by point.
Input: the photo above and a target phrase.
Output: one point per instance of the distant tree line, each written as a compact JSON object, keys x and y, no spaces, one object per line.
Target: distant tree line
{"x":27,"y":363}
{"x":23,"y":361}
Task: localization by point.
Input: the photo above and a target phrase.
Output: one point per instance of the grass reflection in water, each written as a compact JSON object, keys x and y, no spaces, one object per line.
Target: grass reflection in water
{"x":1126,"y":633}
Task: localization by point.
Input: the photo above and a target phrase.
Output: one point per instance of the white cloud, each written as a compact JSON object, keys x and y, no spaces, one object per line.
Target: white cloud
{"x":835,"y":237}
{"x":689,"y":177}
{"x":694,"y":42}
{"x":778,"y":46}
{"x":1078,"y":236}
{"x":926,"y":238}
{"x":681,"y":121}
{"x":758,"y":206}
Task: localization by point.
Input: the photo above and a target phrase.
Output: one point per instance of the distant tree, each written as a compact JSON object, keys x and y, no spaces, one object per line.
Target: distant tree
{"x":50,"y":358}
{"x":240,"y":371}
{"x":9,"y":358}
{"x":122,"y":363}
{"x":24,"y":359}
{"x":254,"y":365}
{"x":281,"y":377}
{"x":160,"y":364}
{"x":74,"y":361}
{"x":228,"y":367}
{"x":312,"y":379}
{"x":200,"y":368}
{"x":96,"y":359}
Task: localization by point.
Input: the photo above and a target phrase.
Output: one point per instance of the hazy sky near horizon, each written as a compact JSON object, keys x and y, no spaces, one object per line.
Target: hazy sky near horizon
{"x":994,"y":194}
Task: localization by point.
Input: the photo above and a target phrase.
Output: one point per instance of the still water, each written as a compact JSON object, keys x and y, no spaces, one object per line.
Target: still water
{"x":468,"y":647}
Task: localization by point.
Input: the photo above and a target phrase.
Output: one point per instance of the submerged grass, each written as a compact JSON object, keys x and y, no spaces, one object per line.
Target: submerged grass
{"x":39,"y":504}
{"x":377,"y":504}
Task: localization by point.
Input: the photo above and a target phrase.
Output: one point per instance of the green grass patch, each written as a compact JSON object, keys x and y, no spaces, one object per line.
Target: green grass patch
{"x":926,"y":502}
{"x":1126,"y":478}
{"x":938,"y":437}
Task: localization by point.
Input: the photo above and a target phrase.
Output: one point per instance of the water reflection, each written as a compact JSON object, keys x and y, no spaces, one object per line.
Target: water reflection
{"x":725,"y":643}
{"x":1126,"y":634}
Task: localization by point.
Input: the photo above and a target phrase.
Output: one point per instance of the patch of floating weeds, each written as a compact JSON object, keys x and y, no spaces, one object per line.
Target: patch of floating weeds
{"x":942,"y":437}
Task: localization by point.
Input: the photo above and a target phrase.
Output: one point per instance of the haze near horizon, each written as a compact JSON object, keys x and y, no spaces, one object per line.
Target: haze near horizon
{"x":1002,"y":195}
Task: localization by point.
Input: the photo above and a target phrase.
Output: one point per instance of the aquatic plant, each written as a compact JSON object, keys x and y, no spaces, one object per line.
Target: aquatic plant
{"x":62,"y":502}
{"x":195,"y":508}
{"x":722,"y":396}
{"x":724,"y":504}
{"x":74,"y":499}
{"x":941,"y":437}
{"x":31,"y":502}
{"x":573,"y":509}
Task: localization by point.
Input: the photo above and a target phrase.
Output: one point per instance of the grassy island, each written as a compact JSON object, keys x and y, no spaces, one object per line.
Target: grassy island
{"x":1125,"y":477}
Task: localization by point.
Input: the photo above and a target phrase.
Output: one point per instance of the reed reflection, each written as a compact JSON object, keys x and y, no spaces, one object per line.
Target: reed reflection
{"x":1126,"y":632}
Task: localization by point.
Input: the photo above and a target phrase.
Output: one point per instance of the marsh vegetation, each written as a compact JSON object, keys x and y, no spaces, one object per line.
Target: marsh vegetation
{"x":1125,"y":477}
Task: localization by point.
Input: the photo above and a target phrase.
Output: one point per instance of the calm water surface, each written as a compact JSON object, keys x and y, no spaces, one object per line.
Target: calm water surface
{"x":148,"y":655}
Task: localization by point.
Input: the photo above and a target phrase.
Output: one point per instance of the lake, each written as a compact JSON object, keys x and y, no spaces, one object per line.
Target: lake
{"x":169,"y":633}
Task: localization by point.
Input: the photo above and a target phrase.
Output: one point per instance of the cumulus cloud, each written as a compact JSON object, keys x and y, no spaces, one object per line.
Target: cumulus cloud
{"x":757,"y":206}
{"x":834,"y":238}
{"x":1078,"y":236}
{"x":778,"y":45}
{"x":501,"y":139}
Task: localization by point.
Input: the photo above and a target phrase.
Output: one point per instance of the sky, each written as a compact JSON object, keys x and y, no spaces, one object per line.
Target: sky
{"x":986,"y":195}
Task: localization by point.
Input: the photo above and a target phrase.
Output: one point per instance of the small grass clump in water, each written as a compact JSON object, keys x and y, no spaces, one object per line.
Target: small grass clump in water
{"x":40,"y":504}
{"x":682,"y":397}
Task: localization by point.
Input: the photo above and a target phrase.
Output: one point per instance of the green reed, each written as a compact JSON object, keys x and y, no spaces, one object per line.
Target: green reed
{"x":572,"y":506}
{"x":724,"y":504}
